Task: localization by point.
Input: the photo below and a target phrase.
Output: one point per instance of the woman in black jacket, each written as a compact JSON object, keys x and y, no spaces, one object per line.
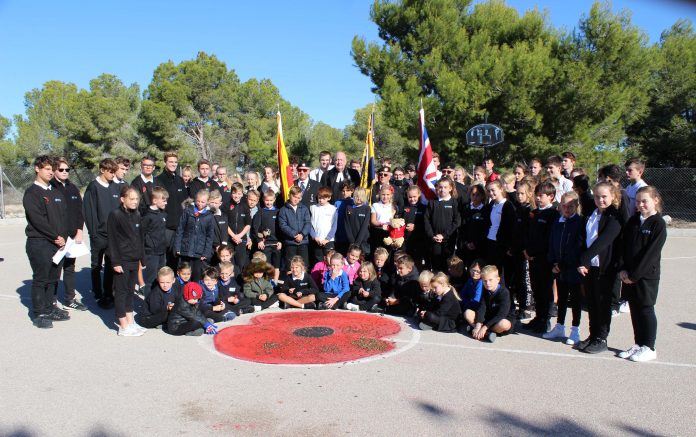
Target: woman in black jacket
{"x":127,"y":253}
{"x":644,"y":236}
{"x":598,"y":264}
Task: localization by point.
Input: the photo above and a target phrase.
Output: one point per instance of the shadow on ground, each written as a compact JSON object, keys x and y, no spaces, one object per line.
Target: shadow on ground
{"x":687,"y":325}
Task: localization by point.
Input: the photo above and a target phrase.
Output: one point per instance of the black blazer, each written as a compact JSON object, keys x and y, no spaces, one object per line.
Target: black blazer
{"x":508,"y":224}
{"x":604,"y":246}
{"x":642,"y":247}
{"x":328,"y":179}
{"x":310,"y":195}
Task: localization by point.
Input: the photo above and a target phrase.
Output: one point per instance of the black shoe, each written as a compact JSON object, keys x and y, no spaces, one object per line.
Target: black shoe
{"x":58,"y":310}
{"x":245,"y":310}
{"x":74,"y":305}
{"x":554,"y":310}
{"x":491,"y":336}
{"x":310,"y":306}
{"x":322,"y":306}
{"x":43,"y":322}
{"x":58,"y":315}
{"x":105,"y":303}
{"x":586,"y":342}
{"x":376,"y":309}
{"x":597,"y":345}
{"x":542,"y":327}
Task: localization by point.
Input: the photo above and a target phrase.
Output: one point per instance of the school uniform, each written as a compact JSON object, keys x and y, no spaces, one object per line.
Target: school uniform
{"x":264,"y":227}
{"x":642,"y":251}
{"x":185,"y":318}
{"x":125,"y":249}
{"x":587,"y":204}
{"x":178,"y":193}
{"x":356,"y":227}
{"x":198,"y":184}
{"x":372,"y":287}
{"x":324,"y":220}
{"x":397,"y":195}
{"x":220,"y":235}
{"x":494,"y":307}
{"x":238,"y":217}
{"x":302,"y":286}
{"x":385,"y":275}
{"x":415,"y":241}
{"x":405,"y":289}
{"x":600,"y":257}
{"x":75,"y":221}
{"x":471,"y":295}
{"x":500,"y":234}
{"x":154,"y":224}
{"x":536,"y":244}
{"x":293,"y":220}
{"x":335,"y":287}
{"x":441,"y":217}
{"x":211,"y":298}
{"x":519,"y":282}
{"x":46,"y":212}
{"x":565,"y":245}
{"x":473,"y":229}
{"x":194,"y":239}
{"x":100,"y":199}
{"x":155,"y":309}
{"x":446,"y":314}
{"x":383,"y":214}
{"x":231,"y":288}
{"x":144,"y":187}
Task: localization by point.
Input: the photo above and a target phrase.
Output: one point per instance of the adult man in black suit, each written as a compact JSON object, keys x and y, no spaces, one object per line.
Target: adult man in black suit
{"x":308,"y":186}
{"x":338,"y":174}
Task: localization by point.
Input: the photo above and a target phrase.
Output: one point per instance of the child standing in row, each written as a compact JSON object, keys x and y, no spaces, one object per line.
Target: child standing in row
{"x":193,"y":242}
{"x":154,"y":224}
{"x":264,"y":231}
{"x":356,"y":219}
{"x":323,"y":230}
{"x":441,"y":223}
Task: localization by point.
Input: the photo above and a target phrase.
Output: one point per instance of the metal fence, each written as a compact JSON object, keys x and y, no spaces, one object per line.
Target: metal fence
{"x":677,"y":186}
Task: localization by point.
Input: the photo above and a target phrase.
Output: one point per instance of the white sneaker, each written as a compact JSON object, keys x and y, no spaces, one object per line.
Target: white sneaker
{"x":574,"y":337}
{"x":257,"y":308}
{"x":138,"y":327}
{"x":624,"y":308}
{"x":628,"y":353}
{"x":129,"y":331}
{"x":558,"y":331}
{"x":644,"y":354}
{"x":615,"y":313}
{"x":275,"y":305}
{"x":352,"y":307}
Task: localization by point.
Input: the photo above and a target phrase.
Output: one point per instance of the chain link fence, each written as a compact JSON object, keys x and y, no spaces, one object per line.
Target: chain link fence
{"x":677,"y":186}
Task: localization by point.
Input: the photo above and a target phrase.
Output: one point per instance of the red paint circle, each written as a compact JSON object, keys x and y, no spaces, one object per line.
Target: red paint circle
{"x":269,"y":338}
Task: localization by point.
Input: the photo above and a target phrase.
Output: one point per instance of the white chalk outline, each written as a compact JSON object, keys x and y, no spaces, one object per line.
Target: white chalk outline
{"x":206,"y":341}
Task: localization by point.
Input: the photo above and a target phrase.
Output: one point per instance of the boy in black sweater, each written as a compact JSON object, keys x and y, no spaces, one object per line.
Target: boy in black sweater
{"x":101,"y":198}
{"x":238,"y":225}
{"x":493,"y":315}
{"x":160,"y":301}
{"x":220,"y":238}
{"x":405,"y":288}
{"x":75,"y":223}
{"x":174,"y":184}
{"x":46,"y":232}
{"x":264,"y":230}
{"x":154,"y":223}
{"x":536,"y":250}
{"x":144,"y":183}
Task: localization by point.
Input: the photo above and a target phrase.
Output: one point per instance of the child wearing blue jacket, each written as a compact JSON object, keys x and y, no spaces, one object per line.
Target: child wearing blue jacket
{"x":336,"y":285}
{"x":565,"y":246}
{"x":471,"y":293}
{"x":193,"y":242}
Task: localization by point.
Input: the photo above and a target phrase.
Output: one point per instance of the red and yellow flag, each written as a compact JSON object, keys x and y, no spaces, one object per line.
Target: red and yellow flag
{"x":284,"y":167}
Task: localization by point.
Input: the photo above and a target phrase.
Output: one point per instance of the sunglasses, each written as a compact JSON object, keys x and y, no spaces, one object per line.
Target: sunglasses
{"x":302,"y":170}
{"x":383,"y":175}
{"x":66,"y":170}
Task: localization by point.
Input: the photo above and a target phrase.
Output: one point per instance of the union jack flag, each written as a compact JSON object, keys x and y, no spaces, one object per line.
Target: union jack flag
{"x":427,"y":173}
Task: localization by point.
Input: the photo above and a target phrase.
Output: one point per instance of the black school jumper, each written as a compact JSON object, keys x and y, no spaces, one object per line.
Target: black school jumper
{"x":97,"y":204}
{"x":494,"y":307}
{"x":125,"y":249}
{"x":178,"y":193}
{"x":238,"y":217}
{"x":642,"y":251}
{"x":373,"y":289}
{"x":496,"y":250}
{"x":519,"y":265}
{"x":446,"y":313}
{"x":75,"y":222}
{"x":266,"y":222}
{"x":154,"y":224}
{"x":536,"y":243}
{"x":600,"y":280}
{"x":441,"y":217}
{"x":473,"y":230}
{"x":155,"y":310}
{"x":415,"y":240}
{"x":357,"y":226}
{"x":45,"y":210}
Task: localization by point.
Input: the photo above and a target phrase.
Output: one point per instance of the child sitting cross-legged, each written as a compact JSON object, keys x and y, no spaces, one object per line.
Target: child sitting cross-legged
{"x":493,"y":315}
{"x":298,"y":289}
{"x":366,"y":291}
{"x":231,"y":292}
{"x":336,"y":286}
{"x":258,"y":287}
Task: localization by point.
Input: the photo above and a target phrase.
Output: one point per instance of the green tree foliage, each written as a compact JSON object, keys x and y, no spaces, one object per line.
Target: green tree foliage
{"x":667,"y":136}
{"x":547,"y":90}
{"x":9,"y":154}
{"x":83,"y":125}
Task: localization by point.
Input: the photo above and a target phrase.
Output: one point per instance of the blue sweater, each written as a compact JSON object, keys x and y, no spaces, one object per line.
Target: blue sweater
{"x":471,"y":294}
{"x":338,"y":286}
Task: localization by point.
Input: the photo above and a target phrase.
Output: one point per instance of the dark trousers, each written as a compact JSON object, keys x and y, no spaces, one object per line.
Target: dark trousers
{"x":323,"y":297}
{"x":520,"y":278}
{"x":98,"y":253}
{"x":241,"y":255}
{"x":124,"y":289}
{"x":496,"y":256}
{"x":317,"y":252}
{"x":566,"y":291}
{"x":598,"y":292}
{"x":439,"y":254}
{"x":291,"y":250}
{"x":154,"y":320}
{"x":152,"y":265}
{"x":365,"y":303}
{"x":641,"y":299}
{"x":237,"y":308}
{"x":433,"y":320}
{"x":616,"y":293}
{"x":45,"y":274}
{"x":542,"y":286}
{"x":272,"y":254}
{"x":215,"y":316}
{"x":264,"y":304}
{"x":172,"y":259}
{"x":68,"y":279}
{"x":197,"y":266}
{"x":185,"y":328}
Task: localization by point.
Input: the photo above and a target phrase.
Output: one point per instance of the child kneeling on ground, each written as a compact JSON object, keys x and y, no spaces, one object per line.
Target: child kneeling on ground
{"x":186,"y":318}
{"x":493,"y":315}
{"x":160,"y":301}
{"x":447,"y":313}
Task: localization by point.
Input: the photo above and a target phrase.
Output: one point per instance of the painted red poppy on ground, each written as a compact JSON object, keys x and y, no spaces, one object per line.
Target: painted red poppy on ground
{"x":308,"y":337}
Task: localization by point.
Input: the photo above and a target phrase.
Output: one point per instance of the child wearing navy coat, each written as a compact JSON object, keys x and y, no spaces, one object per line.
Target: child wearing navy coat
{"x":160,"y":301}
{"x":193,"y":242}
{"x":565,"y":246}
{"x":644,"y":236}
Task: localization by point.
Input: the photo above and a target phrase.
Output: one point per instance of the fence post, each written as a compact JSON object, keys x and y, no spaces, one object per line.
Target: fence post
{"x":2,"y":194}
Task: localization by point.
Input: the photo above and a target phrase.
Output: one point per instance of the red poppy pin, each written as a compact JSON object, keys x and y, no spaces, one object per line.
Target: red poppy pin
{"x":46,"y":200}
{"x":407,"y":209}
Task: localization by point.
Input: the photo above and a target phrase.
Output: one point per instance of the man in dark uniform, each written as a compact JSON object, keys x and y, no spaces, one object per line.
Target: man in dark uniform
{"x":308,"y":186}
{"x":334,"y":177}
{"x":47,"y":231}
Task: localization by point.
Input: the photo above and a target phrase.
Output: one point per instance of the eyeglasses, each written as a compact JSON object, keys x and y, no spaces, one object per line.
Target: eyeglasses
{"x":447,"y":171}
{"x":65,"y":170}
{"x":477,"y":272}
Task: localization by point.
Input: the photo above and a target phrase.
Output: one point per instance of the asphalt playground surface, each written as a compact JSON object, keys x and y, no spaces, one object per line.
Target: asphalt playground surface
{"x":81,"y":379}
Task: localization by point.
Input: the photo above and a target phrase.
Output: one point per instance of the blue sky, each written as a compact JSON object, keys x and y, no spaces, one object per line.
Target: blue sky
{"x":302,"y":46}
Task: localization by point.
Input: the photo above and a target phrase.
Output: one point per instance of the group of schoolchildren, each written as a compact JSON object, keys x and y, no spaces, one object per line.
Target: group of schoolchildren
{"x":476,"y":258}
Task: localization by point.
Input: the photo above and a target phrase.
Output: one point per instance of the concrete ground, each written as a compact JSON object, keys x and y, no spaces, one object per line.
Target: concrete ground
{"x":81,"y":379}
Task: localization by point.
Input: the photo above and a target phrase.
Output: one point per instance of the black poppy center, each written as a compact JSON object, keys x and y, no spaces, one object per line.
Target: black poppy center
{"x":313,"y":331}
